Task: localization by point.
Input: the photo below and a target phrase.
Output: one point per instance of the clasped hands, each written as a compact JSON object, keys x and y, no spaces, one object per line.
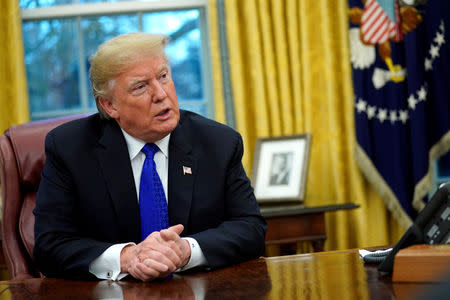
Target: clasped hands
{"x":160,"y":254}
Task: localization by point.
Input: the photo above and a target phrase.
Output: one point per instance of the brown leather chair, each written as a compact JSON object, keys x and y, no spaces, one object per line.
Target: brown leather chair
{"x":21,"y":162}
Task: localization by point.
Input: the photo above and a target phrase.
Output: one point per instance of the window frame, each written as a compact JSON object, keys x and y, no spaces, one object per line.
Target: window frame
{"x":78,"y":11}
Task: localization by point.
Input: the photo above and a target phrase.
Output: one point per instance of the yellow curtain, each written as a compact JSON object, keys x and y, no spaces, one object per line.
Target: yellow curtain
{"x":214,"y":42}
{"x":13,"y":96}
{"x":290,"y":74}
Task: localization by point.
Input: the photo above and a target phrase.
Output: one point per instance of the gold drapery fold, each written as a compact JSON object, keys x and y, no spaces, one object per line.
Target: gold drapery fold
{"x":214,"y":42}
{"x":290,"y":74}
{"x":14,"y":95}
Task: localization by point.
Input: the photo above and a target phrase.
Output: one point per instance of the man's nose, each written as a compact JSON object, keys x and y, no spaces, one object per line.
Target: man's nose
{"x":159,"y":93}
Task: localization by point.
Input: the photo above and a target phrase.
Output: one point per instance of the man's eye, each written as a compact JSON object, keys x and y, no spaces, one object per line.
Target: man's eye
{"x":139,"y":87}
{"x":164,"y":75}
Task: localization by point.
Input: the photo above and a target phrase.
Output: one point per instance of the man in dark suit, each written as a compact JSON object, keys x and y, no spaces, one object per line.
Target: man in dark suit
{"x":88,"y":221}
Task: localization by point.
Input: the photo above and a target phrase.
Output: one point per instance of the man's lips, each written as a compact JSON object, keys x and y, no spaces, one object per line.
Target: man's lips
{"x":163,"y":113}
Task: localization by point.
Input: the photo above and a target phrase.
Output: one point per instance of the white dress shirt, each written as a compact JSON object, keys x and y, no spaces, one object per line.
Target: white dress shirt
{"x":107,"y":265}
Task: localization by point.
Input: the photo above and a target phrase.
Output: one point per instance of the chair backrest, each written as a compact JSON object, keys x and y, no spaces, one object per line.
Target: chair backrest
{"x":22,"y":159}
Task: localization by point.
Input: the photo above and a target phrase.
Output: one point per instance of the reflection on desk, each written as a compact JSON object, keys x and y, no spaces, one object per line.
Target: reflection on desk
{"x":325,"y":275}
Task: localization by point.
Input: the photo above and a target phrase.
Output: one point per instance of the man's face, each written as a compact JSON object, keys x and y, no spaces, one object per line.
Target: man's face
{"x":279,"y":163}
{"x":143,"y":100}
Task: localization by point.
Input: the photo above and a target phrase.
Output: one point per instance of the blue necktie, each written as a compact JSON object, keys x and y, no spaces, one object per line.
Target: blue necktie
{"x":152,"y":200}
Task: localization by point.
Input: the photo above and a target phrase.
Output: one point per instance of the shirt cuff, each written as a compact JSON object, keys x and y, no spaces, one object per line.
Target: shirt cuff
{"x":107,"y":265}
{"x":197,"y":258}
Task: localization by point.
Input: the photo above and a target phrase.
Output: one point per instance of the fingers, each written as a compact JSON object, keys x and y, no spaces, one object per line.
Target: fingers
{"x":169,"y":235}
{"x":148,"y":270}
{"x":179,"y":245}
{"x":166,"y":243}
{"x":160,"y":254}
{"x":172,"y":237}
{"x":169,"y":255}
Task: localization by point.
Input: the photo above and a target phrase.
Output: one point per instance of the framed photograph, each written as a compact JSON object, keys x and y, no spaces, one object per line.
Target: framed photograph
{"x":280,"y":168}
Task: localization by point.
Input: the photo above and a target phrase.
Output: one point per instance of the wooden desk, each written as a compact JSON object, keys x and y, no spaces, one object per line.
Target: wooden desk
{"x":291,"y":224}
{"x":324,"y":275}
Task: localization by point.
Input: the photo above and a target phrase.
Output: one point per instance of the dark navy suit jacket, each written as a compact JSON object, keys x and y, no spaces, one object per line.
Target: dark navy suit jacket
{"x":87,"y":199}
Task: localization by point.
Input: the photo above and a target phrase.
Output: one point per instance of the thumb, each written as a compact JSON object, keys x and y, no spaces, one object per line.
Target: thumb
{"x":172,"y":233}
{"x":178,"y":229}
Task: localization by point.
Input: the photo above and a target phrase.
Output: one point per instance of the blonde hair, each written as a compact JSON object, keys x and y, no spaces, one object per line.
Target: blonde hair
{"x":116,"y":55}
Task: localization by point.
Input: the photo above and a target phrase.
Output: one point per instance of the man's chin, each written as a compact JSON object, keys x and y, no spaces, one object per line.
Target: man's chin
{"x":171,"y":124}
{"x":165,"y":130}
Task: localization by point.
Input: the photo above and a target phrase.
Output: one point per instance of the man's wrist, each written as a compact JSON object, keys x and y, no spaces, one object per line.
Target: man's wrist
{"x":196,"y":257}
{"x":107,"y":265}
{"x":188,"y":255}
{"x":126,"y":256}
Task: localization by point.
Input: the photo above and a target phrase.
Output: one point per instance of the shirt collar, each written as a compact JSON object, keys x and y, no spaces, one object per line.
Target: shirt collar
{"x":135,"y":145}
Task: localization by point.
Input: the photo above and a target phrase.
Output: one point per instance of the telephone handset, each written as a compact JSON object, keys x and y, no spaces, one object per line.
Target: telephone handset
{"x":432,"y":226}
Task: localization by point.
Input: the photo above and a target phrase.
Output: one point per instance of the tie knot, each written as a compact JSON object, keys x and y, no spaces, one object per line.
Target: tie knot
{"x":150,"y":150}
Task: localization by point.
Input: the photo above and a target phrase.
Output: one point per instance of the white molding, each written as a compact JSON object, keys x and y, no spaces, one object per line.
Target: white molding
{"x":92,"y":9}
{"x":207,"y":78}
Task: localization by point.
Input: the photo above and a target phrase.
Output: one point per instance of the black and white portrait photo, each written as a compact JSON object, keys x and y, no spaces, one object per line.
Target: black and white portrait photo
{"x":281,"y":168}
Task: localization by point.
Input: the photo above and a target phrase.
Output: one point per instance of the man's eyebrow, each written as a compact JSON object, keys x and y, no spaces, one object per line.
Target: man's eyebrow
{"x":143,"y":79}
{"x":163,"y":68}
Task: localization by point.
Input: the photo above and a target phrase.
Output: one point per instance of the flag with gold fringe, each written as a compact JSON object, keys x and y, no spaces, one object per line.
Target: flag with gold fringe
{"x":400,"y":57}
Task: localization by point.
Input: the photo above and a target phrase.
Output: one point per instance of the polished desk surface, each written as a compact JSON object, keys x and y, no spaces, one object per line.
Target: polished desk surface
{"x":327,"y":275}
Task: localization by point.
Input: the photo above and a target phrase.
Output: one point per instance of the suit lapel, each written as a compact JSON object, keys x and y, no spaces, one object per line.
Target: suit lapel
{"x":112,"y":154}
{"x":181,"y":183}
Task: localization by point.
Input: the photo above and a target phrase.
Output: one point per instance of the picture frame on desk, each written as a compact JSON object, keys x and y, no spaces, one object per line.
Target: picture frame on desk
{"x":280,"y":168}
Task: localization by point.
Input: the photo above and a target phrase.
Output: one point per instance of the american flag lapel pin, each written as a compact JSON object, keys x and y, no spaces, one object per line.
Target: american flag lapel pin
{"x":187,"y":170}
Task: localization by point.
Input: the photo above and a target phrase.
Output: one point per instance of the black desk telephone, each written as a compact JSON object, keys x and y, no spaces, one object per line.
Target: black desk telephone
{"x":432,"y":226}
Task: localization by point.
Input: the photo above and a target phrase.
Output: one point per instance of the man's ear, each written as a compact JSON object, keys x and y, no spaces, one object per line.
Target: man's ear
{"x":109,"y":106}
